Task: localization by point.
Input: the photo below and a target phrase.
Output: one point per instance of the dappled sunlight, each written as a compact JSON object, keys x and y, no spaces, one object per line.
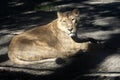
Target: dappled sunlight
{"x":99,"y":20}
{"x":3,"y":50}
{"x":101,"y":1}
{"x":101,"y":35}
{"x":15,"y":4}
{"x":110,"y":63}
{"x":5,"y":39}
{"x":29,"y":12}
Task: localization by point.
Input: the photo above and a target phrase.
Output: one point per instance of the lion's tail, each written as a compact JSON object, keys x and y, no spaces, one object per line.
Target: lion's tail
{"x":16,"y":60}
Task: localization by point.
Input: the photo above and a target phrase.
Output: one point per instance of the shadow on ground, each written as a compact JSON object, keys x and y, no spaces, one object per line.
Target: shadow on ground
{"x":98,"y":21}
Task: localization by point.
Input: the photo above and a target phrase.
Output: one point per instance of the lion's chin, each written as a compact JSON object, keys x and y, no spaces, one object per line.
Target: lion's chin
{"x":72,"y":34}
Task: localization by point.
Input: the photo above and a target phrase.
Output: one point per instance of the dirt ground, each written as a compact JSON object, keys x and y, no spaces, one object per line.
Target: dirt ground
{"x":100,"y":20}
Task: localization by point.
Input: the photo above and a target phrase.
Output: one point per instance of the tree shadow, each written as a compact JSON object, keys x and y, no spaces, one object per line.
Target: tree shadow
{"x":87,"y":63}
{"x":82,"y":63}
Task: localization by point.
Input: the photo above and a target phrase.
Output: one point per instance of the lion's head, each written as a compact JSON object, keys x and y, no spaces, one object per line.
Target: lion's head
{"x":68,"y":21}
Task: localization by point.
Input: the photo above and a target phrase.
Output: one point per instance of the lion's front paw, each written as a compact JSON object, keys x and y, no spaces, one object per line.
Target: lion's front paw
{"x":85,"y":46}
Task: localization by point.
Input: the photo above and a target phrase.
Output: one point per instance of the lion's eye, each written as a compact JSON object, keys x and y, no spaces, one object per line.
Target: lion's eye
{"x":64,"y":21}
{"x":73,"y":19}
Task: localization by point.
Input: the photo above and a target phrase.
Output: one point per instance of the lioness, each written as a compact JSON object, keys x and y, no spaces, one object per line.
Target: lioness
{"x":48,"y":41}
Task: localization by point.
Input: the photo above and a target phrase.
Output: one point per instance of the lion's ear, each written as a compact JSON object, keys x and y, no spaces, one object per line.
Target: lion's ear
{"x":59,"y":14}
{"x":76,"y":12}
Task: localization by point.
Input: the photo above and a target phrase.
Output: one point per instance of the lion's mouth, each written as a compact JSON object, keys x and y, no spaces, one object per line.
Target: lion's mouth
{"x":71,"y":34}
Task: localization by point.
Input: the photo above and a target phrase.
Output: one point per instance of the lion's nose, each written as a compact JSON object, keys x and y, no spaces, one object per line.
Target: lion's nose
{"x":70,"y":29}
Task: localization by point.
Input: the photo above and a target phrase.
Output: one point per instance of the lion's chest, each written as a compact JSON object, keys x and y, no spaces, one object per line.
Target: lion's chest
{"x":68,"y":45}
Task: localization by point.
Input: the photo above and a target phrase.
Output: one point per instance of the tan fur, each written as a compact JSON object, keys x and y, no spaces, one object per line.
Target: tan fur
{"x":49,"y":41}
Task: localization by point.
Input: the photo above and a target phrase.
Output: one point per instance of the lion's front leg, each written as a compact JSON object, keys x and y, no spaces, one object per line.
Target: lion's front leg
{"x":84,"y":46}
